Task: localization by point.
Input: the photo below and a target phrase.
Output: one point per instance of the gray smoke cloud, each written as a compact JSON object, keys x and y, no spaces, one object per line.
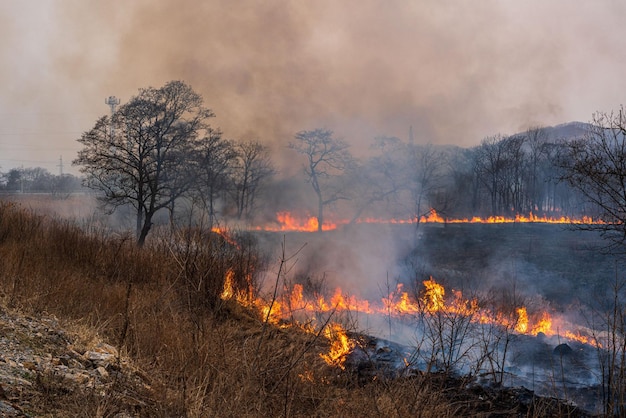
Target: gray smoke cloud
{"x":455,"y":71}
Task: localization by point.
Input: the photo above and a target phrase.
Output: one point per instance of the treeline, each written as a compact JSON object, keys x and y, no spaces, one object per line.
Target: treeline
{"x":38,"y":180}
{"x":158,"y":154}
{"x":503,"y":176}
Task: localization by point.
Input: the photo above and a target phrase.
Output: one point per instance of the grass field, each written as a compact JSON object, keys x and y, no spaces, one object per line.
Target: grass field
{"x":161,"y":307}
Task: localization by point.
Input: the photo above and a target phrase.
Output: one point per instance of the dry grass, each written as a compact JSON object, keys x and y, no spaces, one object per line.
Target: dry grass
{"x":161,"y":306}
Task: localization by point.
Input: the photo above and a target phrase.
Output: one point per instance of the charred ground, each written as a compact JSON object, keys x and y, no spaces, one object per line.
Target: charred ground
{"x":561,"y":263}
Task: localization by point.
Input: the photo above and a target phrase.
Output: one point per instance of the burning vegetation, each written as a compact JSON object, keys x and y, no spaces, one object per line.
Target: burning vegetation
{"x":293,"y":308}
{"x":289,"y":222}
{"x":189,"y":308}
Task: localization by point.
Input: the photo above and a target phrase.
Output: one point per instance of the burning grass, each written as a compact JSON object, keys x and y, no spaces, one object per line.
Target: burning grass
{"x":289,"y":222}
{"x":177,"y":312}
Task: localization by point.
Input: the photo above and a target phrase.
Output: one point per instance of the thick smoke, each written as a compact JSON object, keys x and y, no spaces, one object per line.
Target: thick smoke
{"x":455,"y":71}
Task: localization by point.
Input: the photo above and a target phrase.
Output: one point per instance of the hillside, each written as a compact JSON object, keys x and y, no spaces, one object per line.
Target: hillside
{"x":94,"y":326}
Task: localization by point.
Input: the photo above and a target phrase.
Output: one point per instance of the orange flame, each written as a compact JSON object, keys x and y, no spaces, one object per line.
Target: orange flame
{"x":340,"y":345}
{"x":544,"y":325}
{"x":433,"y":296}
{"x":286,"y":221}
{"x":522,"y":320}
{"x":432,"y":301}
{"x":229,"y":288}
{"x":243,"y":296}
{"x":224,"y":233}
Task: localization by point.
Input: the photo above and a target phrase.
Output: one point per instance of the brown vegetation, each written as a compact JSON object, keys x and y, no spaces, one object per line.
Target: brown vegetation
{"x":160,"y":306}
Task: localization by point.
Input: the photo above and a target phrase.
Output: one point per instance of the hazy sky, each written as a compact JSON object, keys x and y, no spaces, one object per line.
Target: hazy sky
{"x":456,"y":71}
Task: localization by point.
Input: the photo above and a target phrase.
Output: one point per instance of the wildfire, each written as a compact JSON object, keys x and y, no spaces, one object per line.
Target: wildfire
{"x":432,"y":300}
{"x":522,"y":320}
{"x":433,"y":296}
{"x":243,"y":296}
{"x":229,"y":288}
{"x":286,"y":221}
{"x":224,"y":233}
{"x":340,"y":345}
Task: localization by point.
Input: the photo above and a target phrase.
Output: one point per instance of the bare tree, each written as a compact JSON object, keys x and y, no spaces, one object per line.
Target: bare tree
{"x":253,"y":167}
{"x":381,"y":178}
{"x":327,"y":158}
{"x":537,"y":144}
{"x":498,"y":163}
{"x":424,"y":172}
{"x":141,"y":155}
{"x":596,"y":166}
{"x":216,"y":158}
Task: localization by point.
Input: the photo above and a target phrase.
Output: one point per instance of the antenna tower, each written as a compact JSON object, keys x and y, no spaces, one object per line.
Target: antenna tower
{"x":112,"y":101}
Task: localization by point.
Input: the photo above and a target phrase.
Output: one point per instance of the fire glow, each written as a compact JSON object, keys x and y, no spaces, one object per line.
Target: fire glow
{"x":288,"y":222}
{"x":292,"y":307}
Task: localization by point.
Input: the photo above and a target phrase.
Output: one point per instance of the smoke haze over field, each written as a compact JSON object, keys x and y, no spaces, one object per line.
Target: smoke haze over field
{"x":456,"y":71}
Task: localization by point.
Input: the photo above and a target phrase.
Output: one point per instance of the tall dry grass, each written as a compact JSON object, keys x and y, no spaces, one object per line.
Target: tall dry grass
{"x":201,"y":356}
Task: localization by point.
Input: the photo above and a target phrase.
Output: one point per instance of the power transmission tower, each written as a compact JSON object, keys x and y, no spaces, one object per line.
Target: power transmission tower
{"x":60,"y":165}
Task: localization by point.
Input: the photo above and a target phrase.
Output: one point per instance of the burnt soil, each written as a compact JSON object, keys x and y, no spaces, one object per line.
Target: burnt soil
{"x":563,"y":264}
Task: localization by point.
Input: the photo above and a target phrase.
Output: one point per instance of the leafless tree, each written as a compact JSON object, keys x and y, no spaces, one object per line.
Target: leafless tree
{"x":381,"y":177}
{"x":424,"y":175}
{"x":140,"y":156}
{"x":596,"y":166}
{"x":252,"y":168}
{"x":216,"y":158}
{"x":327,"y":158}
{"x":498,"y":163}
{"x":537,"y":145}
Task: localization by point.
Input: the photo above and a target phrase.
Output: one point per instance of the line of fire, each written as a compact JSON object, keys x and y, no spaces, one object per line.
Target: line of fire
{"x":292,"y":307}
{"x":288,"y":222}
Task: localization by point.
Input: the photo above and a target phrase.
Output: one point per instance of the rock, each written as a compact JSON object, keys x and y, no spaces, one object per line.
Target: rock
{"x":105,"y":348}
{"x":102,"y":372}
{"x":562,"y":350}
{"x":30,"y":365}
{"x":97,"y":358}
{"x":40,"y":361}
{"x":76,"y":378}
{"x":7,"y":410}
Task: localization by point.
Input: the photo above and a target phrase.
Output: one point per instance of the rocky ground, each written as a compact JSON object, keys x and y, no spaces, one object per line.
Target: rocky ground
{"x":46,"y":371}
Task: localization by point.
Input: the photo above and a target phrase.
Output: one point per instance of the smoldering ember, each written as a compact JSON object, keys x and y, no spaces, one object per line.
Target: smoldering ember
{"x":499,"y":266}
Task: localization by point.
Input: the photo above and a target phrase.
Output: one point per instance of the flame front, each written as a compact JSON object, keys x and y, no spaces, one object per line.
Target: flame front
{"x":292,"y":307}
{"x":293,"y":304}
{"x":432,"y":300}
{"x":286,"y":221}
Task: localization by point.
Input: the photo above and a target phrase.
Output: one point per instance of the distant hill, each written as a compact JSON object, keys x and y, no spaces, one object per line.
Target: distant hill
{"x":569,"y":130}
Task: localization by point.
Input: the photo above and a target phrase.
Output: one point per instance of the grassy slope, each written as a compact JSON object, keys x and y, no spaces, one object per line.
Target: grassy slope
{"x":204,"y":356}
